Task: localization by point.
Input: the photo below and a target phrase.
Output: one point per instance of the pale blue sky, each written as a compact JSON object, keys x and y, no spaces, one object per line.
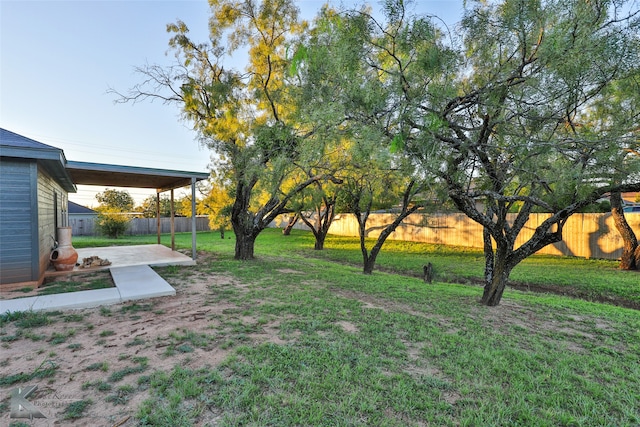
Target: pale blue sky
{"x":58,"y":59}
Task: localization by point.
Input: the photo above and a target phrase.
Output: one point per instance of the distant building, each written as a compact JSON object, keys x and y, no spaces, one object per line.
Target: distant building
{"x":81,"y":219}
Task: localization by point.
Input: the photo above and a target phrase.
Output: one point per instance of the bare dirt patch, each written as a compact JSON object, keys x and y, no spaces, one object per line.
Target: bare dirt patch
{"x":99,"y":353}
{"x":348,"y":326}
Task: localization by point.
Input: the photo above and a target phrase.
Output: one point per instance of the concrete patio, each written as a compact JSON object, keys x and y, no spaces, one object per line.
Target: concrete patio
{"x":126,"y":256}
{"x":131,"y":272}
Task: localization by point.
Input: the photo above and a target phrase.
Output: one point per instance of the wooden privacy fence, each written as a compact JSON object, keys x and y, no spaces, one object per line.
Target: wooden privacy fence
{"x":584,"y":235}
{"x":86,"y":226}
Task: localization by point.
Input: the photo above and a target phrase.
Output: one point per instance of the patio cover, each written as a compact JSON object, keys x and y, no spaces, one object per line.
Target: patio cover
{"x":131,"y":176}
{"x":84,"y":173}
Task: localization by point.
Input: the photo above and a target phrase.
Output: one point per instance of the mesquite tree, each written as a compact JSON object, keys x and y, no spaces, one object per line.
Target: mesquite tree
{"x":317,"y":209}
{"x":630,"y":259}
{"x":503,"y":108}
{"x":112,"y":200}
{"x":622,"y":105}
{"x":244,"y":116}
{"x":342,"y":96}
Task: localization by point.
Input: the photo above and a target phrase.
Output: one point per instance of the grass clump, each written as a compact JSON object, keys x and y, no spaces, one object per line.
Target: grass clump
{"x":135,"y":342}
{"x":76,"y":410}
{"x":121,"y":396}
{"x":66,"y":286}
{"x":46,"y":369}
{"x":141,"y":362}
{"x":61,"y":337}
{"x":73,"y":318}
{"x":182,"y":398}
{"x":27,"y":319}
{"x":98,"y":366}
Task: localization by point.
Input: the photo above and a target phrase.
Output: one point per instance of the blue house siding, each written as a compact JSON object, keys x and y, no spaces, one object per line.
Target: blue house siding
{"x":34,"y":184}
{"x":52,"y":213}
{"x":16,"y":221}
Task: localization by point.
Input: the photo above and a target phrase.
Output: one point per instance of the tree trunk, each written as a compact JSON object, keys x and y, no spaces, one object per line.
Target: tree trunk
{"x":324,"y":218}
{"x":370,"y":260}
{"x":369,"y":263}
{"x":222,"y":232}
{"x":629,"y":259}
{"x":488,"y":255}
{"x":494,"y":288}
{"x":286,"y":231}
{"x":362,"y":232}
{"x":492,"y":294}
{"x":498,"y":266}
{"x":319,"y":245}
{"x":244,"y":247}
{"x":242,"y":222}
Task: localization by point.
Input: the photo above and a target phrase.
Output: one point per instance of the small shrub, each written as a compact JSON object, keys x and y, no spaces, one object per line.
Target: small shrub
{"x":112,"y":224}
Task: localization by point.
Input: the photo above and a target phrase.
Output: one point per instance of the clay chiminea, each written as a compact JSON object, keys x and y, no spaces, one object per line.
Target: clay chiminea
{"x":64,"y":256}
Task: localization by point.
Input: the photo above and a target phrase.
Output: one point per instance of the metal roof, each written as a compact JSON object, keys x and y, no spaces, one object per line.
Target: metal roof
{"x":11,"y":141}
{"x":130,"y":176}
{"x":50,"y":158}
{"x":70,"y":173}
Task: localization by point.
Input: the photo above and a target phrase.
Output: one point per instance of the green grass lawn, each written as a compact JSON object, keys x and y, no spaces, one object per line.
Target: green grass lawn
{"x":355,"y":350}
{"x":391,"y":350}
{"x":589,"y":279}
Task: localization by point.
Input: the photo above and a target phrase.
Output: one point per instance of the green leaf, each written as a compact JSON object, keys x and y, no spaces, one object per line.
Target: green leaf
{"x":397,"y":143}
{"x":298,"y":57}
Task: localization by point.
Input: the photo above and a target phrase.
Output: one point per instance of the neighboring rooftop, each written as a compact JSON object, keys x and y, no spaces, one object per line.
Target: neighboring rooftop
{"x":74,"y":208}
